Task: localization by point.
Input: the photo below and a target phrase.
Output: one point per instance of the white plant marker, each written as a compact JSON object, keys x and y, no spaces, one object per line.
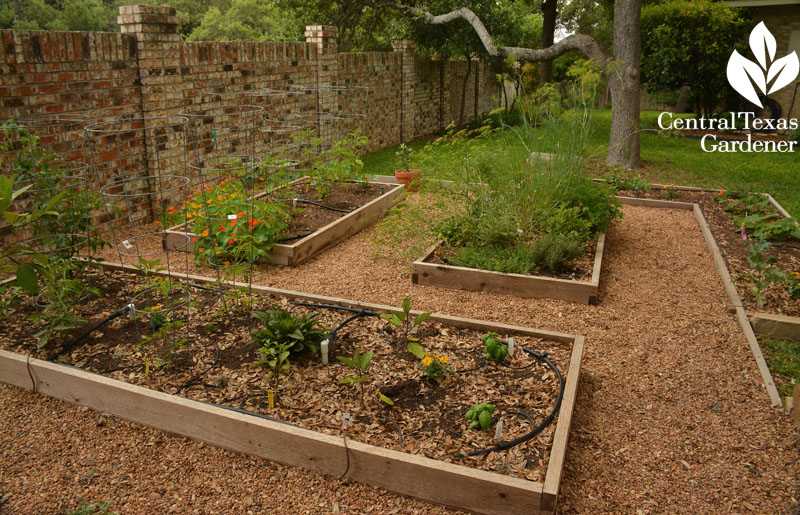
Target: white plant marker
{"x":232,"y":217}
{"x":132,"y":311}
{"x":323,"y":350}
{"x":498,"y":430}
{"x":510,"y":347}
{"x":127,"y":244}
{"x":346,"y":418}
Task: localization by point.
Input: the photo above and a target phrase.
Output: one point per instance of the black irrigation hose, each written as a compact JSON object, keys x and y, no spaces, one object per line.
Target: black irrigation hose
{"x":298,"y":237}
{"x":365,"y":312}
{"x":69,"y":345}
{"x":505,"y":445}
{"x":304,"y":201}
{"x":785,"y":245}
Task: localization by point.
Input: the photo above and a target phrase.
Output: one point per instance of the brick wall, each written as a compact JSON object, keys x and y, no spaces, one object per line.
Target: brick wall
{"x":782,"y":21}
{"x":147,"y":74}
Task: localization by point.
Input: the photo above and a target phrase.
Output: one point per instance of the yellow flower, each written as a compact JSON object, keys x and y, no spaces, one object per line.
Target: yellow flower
{"x":427,"y":360}
{"x":443,"y":359}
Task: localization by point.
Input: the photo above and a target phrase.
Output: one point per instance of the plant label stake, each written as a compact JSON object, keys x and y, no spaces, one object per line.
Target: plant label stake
{"x":323,"y":350}
{"x":271,"y":398}
{"x":498,"y":430}
{"x":510,"y":347}
{"x":147,"y":366}
{"x":132,"y":311}
{"x":346,"y":418}
{"x":127,"y":244}
{"x":232,"y":217}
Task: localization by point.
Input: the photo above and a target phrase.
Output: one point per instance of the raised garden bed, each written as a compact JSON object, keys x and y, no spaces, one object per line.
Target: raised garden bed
{"x":326,"y":227}
{"x":427,"y":271}
{"x":210,"y":391}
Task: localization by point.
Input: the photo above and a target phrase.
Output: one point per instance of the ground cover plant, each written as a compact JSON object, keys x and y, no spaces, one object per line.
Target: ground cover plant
{"x":665,"y":160}
{"x":266,"y":359}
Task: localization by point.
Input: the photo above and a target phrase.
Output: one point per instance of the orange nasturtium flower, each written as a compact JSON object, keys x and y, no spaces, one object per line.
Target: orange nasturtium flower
{"x":204,"y":233}
{"x":231,"y":241}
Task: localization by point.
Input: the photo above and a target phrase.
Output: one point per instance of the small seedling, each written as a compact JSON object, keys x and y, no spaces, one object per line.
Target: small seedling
{"x":360,"y":363}
{"x":275,"y":356}
{"x":405,"y":324}
{"x":494,"y":348}
{"x":480,"y":416}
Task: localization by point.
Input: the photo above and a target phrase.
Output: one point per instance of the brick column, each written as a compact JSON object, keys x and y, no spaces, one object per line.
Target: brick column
{"x":408,"y":79}
{"x":158,"y":55}
{"x":326,"y":40}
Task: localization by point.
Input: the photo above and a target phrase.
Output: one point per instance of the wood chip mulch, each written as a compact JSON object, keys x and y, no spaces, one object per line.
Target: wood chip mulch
{"x":671,"y":413}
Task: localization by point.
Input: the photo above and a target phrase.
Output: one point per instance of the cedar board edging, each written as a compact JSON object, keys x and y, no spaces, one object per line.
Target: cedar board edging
{"x":730,"y":288}
{"x":304,"y":249}
{"x":417,"y":476}
{"x":472,"y":279}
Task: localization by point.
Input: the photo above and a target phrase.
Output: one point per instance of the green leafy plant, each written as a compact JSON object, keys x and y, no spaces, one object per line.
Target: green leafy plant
{"x":275,"y":357}
{"x":762,"y":274}
{"x":339,"y":164}
{"x":435,"y":367}
{"x":405,"y":324}
{"x":494,"y":349}
{"x":670,"y":192}
{"x":404,"y":153}
{"x":280,"y":326}
{"x":794,"y":285}
{"x":87,"y":508}
{"x":479,"y":416}
{"x":625,"y":181}
{"x":360,"y":363}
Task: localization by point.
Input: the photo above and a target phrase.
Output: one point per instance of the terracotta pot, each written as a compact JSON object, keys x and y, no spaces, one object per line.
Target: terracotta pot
{"x":408,"y":177}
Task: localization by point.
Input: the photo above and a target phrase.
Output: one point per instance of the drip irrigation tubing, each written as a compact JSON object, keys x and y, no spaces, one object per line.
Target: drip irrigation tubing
{"x":298,"y":237}
{"x":304,"y":201}
{"x":505,"y":445}
{"x":69,"y":345}
{"x":785,"y":246}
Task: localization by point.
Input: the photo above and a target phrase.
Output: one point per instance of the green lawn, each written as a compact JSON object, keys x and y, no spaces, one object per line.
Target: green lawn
{"x":668,"y":160}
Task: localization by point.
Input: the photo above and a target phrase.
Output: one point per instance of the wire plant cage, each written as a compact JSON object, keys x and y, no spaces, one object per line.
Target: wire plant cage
{"x":140,"y":167}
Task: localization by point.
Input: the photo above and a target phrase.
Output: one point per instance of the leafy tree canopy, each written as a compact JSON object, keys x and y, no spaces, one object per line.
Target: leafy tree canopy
{"x":688,"y":43}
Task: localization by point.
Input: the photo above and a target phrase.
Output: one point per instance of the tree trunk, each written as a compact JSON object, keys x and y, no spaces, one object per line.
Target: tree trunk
{"x":549,"y":13}
{"x":683,"y":99}
{"x":625,"y":84}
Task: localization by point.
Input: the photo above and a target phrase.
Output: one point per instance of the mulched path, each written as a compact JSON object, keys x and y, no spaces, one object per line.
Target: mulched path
{"x":671,"y":413}
{"x":736,"y":251}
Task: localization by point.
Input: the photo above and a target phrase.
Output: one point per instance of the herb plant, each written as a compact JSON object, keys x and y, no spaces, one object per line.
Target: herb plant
{"x":494,"y":349}
{"x":480,"y":416}
{"x":404,"y":153}
{"x":281,"y":327}
{"x":405,"y":325}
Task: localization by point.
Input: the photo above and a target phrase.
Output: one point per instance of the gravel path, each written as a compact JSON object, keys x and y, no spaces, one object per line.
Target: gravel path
{"x":671,"y":413}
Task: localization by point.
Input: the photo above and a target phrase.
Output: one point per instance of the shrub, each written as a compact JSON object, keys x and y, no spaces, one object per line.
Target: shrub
{"x":556,"y":252}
